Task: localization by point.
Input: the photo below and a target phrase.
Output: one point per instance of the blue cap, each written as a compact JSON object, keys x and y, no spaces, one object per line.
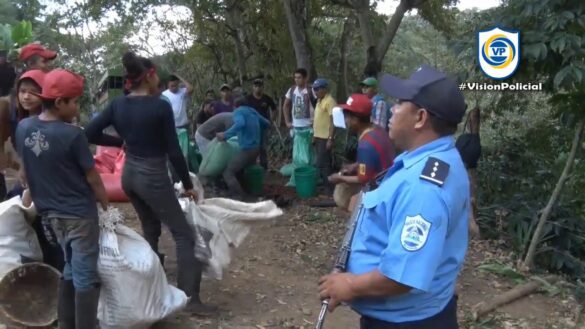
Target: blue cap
{"x":320,"y":83}
{"x":430,"y":89}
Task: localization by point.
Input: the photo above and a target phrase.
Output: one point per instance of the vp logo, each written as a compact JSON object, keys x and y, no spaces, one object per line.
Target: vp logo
{"x":498,"y":52}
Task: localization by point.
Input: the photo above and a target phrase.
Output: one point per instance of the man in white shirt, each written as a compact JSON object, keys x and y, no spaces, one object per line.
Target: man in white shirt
{"x":298,"y":115}
{"x":179,"y":98}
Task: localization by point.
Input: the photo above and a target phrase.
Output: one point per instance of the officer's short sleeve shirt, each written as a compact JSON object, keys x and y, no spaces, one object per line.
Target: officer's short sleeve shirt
{"x":413,"y":230}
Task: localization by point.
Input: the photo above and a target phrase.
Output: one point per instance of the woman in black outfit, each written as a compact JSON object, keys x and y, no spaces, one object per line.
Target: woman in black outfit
{"x":147,"y":127}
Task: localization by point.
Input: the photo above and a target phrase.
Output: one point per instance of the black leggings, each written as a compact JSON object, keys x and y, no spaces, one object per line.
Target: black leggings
{"x":149,"y":187}
{"x":446,"y":319}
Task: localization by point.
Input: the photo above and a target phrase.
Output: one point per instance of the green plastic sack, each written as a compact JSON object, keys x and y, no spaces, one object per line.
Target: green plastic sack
{"x":287,"y":170}
{"x":193,"y":158}
{"x":183,"y":135}
{"x":302,"y":150}
{"x":218,"y":156}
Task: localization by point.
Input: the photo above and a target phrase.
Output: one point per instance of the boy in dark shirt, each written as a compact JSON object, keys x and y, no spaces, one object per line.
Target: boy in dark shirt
{"x":60,"y":173}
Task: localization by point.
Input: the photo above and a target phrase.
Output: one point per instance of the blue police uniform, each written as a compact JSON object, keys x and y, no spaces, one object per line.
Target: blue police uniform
{"x":413,"y":229}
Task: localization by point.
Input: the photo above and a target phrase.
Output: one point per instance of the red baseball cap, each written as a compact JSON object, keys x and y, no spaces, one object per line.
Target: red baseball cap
{"x":61,"y":83}
{"x":37,"y":76}
{"x":36,"y":49}
{"x":359,"y":104}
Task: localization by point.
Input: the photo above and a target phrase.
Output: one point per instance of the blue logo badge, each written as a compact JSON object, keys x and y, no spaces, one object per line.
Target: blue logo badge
{"x":498,"y":52}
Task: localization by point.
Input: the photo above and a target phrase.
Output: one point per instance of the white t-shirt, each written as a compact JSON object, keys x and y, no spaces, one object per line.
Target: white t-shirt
{"x":179,"y":105}
{"x":301,"y":118}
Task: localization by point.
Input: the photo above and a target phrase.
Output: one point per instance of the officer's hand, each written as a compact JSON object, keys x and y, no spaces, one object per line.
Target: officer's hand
{"x":337,"y":287}
{"x":220,"y":137}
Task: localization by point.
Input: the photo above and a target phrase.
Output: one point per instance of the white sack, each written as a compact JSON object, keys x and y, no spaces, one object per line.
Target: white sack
{"x":18,"y":240}
{"x":224,"y":224}
{"x":135,"y":293}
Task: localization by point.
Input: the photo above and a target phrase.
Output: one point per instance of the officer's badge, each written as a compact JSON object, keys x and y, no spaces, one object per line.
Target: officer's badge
{"x":435,"y":171}
{"x":415,"y":233}
{"x":362,"y":169}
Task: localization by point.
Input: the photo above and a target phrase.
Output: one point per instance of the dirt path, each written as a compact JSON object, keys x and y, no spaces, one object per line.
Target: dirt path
{"x":271,"y":282}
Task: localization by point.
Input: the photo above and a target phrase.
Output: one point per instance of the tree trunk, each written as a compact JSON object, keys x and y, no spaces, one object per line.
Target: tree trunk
{"x":529,"y":260}
{"x":363,"y":16}
{"x":342,"y":69}
{"x":234,"y":20}
{"x":510,"y":296}
{"x":297,"y":18}
{"x":376,"y":54}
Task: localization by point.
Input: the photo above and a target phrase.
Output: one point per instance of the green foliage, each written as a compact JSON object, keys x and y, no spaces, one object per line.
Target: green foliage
{"x":524,"y":152}
{"x":552,"y":35}
{"x":501,"y":269}
{"x":15,"y":36}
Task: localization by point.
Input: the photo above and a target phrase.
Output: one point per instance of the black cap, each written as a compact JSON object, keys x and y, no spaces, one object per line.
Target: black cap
{"x":258,"y":82}
{"x":430,"y":89}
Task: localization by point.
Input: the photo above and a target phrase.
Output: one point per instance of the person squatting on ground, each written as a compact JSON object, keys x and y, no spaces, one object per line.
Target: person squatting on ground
{"x":248,"y":126}
{"x":264,"y":105}
{"x":323,"y":131}
{"x":375,"y":151}
{"x":147,"y":127}
{"x":380,"y":108}
{"x":59,"y":169}
{"x":411,"y":235}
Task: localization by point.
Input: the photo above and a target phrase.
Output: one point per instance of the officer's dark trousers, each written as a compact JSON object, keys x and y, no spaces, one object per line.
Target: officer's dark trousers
{"x":446,"y":319}
{"x":147,"y":184}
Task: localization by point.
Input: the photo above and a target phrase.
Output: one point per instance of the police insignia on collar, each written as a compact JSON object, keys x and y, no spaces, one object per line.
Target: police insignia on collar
{"x":415,"y":233}
{"x":435,"y":171}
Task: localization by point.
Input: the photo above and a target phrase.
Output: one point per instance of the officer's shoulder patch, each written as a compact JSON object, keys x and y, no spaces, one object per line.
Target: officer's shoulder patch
{"x":415,"y":232}
{"x":435,"y":171}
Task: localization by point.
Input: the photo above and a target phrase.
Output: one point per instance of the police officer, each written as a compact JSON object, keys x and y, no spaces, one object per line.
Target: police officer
{"x":411,"y":235}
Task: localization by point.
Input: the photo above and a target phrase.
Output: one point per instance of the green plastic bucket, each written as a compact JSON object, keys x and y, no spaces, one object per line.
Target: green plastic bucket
{"x":254,"y":179}
{"x":305,"y":181}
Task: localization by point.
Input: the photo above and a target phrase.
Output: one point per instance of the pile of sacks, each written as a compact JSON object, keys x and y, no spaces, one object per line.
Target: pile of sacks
{"x":109,"y":163}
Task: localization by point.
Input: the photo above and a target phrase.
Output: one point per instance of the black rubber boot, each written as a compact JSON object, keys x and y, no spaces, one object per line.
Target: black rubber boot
{"x":195,"y":305}
{"x":86,"y":304}
{"x":66,"y":306}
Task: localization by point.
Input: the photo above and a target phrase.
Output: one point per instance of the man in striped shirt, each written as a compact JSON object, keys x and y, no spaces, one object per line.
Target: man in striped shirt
{"x":375,"y":152}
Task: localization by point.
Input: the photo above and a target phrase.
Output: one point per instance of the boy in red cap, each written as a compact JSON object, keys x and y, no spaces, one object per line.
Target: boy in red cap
{"x":60,"y":172}
{"x":375,"y":151}
{"x":37,"y":57}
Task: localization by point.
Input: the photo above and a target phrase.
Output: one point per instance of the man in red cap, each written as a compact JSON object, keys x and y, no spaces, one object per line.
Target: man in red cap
{"x":375,"y":151}
{"x":37,"y":57}
{"x":60,"y":172}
